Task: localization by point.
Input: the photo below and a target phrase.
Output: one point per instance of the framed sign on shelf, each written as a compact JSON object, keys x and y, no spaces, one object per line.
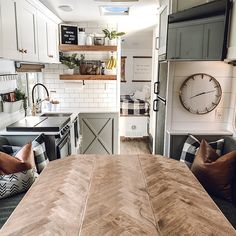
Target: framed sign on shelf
{"x":142,"y":67}
{"x":68,"y":34}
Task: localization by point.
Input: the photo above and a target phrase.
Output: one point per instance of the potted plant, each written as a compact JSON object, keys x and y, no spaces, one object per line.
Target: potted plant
{"x":71,"y":61}
{"x":16,"y":104}
{"x":112,"y":35}
{"x":20,"y":95}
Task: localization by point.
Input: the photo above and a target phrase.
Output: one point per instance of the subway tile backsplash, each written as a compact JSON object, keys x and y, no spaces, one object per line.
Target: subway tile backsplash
{"x":73,"y":94}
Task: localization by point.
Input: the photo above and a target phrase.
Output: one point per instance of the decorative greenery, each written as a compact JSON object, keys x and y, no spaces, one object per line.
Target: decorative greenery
{"x":112,"y":34}
{"x":20,"y":95}
{"x":71,"y":61}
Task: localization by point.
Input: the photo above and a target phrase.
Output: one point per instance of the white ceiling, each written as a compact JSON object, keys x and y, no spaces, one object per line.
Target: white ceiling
{"x":142,"y":17}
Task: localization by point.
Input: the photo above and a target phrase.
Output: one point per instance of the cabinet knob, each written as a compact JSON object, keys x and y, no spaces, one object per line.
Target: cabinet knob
{"x":21,"y":50}
{"x":51,"y":56}
{"x":25,"y":51}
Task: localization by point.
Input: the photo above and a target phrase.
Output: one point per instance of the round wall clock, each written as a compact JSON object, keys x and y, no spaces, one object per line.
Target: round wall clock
{"x":200,"y":93}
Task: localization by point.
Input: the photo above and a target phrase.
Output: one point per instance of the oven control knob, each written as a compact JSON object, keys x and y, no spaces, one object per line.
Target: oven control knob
{"x":62,"y":132}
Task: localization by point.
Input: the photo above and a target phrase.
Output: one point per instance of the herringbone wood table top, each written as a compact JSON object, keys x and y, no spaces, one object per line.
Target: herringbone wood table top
{"x":116,"y":195}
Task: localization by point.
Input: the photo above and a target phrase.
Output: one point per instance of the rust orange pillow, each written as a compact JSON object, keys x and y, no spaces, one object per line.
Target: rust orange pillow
{"x":24,"y":160}
{"x":213,"y":172}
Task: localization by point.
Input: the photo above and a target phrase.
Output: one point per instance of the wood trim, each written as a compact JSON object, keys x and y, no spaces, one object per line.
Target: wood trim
{"x":142,"y":56}
{"x":71,"y":48}
{"x":30,"y":68}
{"x":88,"y":77}
{"x":134,"y":80}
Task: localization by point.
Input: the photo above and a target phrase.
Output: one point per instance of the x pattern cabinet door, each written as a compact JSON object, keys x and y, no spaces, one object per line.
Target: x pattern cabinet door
{"x":98,"y":135}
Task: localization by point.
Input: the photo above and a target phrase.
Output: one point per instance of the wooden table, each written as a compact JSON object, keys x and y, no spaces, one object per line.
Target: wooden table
{"x":116,"y":195}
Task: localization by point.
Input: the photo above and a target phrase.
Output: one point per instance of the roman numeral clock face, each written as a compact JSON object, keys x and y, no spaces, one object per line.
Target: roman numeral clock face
{"x":200,"y":93}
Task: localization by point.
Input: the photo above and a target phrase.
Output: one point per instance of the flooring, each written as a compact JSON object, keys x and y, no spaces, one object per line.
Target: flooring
{"x":134,"y":146}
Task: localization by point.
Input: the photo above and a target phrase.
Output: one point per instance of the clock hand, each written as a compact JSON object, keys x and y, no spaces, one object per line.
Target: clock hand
{"x":199,"y":94}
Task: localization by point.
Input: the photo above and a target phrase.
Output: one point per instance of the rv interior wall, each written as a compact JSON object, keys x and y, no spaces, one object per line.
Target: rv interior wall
{"x":184,"y":120}
{"x":7,"y":67}
{"x":130,"y":87}
{"x":232,"y":111}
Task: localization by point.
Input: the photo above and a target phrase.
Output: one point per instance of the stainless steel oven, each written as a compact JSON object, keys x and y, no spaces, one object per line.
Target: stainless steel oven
{"x":63,"y":145}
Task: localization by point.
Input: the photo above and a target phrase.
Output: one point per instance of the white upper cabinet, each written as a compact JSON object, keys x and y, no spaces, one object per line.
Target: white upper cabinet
{"x":53,"y":42}
{"x":9,"y":34}
{"x":26,"y":33}
{"x":27,"y":30}
{"x":48,"y":39}
{"x":42,"y":36}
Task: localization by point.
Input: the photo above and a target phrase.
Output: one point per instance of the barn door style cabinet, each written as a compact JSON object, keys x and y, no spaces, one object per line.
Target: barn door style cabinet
{"x":99,"y":133}
{"x":26,"y":33}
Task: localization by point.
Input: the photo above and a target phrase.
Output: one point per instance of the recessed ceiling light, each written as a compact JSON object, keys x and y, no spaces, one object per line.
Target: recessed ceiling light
{"x":66,"y":8}
{"x":114,"y":10}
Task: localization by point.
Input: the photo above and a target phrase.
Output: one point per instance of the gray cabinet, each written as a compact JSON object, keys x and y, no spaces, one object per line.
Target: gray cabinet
{"x":196,"y":40}
{"x":99,"y":132}
{"x":189,"y":42}
{"x":213,"y":40}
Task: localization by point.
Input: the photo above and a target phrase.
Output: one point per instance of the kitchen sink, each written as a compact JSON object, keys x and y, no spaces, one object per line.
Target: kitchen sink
{"x":56,"y":114}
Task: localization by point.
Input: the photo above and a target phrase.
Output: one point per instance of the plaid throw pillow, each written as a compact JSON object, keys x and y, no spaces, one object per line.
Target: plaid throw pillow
{"x":17,"y":182}
{"x":11,"y":150}
{"x":191,"y":146}
{"x":40,"y":155}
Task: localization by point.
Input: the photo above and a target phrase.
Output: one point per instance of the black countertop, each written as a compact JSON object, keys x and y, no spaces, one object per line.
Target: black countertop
{"x":39,"y":124}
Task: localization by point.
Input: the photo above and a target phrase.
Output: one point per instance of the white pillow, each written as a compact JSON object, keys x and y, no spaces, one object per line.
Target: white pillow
{"x":140,"y":95}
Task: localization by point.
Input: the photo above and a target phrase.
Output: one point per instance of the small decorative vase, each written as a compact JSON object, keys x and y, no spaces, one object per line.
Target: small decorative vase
{"x":112,"y":42}
{"x":70,"y":71}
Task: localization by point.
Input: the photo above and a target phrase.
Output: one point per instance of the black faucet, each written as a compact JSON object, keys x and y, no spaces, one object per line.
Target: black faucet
{"x":34,"y":105}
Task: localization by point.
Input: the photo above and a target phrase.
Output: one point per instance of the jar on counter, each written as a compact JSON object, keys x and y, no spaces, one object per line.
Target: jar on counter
{"x":81,"y":36}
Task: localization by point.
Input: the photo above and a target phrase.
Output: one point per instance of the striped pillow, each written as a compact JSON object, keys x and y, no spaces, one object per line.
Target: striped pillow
{"x":12,"y":184}
{"x":40,"y":155}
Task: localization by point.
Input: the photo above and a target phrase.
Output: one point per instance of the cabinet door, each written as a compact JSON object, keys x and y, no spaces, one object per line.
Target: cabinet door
{"x":99,"y":133}
{"x":9,"y":35}
{"x":171,"y":47}
{"x":52,"y":47}
{"x":42,"y":36}
{"x":213,"y":40}
{"x":190,"y":42}
{"x":26,"y":19}
{"x":181,"y":5}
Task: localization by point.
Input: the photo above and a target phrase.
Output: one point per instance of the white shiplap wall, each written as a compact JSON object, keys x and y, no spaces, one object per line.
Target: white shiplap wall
{"x":184,"y":120}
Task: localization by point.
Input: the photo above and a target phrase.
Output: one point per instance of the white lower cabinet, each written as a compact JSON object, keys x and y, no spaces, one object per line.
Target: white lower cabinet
{"x":26,"y":33}
{"x":134,"y":126}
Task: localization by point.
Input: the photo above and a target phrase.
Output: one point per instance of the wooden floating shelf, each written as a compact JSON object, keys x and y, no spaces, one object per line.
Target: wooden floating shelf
{"x":87,"y":77}
{"x":71,"y":48}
